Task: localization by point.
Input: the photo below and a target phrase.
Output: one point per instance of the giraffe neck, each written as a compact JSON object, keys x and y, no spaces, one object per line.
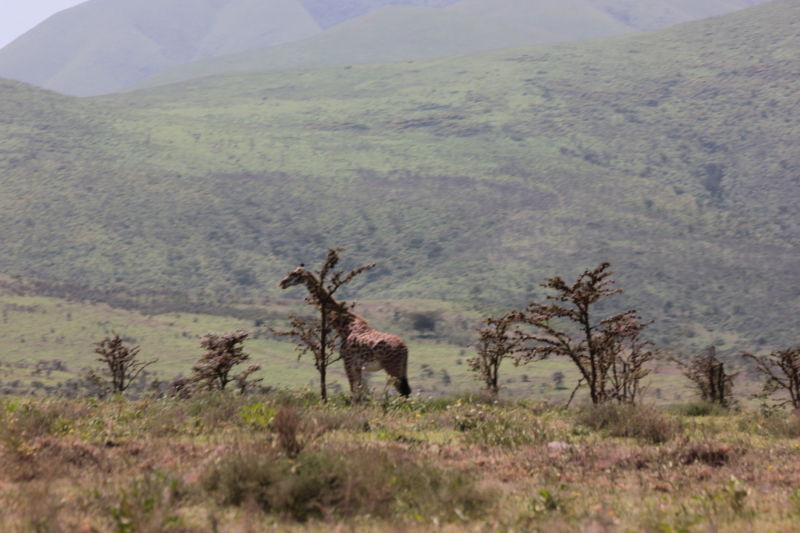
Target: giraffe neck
{"x":347,"y":321}
{"x":318,"y":292}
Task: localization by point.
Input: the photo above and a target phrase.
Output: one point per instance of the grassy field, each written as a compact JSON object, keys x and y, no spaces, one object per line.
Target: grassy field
{"x":456,"y":464}
{"x":670,"y":154}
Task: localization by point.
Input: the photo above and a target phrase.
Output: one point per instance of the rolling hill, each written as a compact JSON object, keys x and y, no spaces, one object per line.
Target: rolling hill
{"x":393,"y":33}
{"x":673,"y":154}
{"x":102,"y":46}
{"x":396,"y":33}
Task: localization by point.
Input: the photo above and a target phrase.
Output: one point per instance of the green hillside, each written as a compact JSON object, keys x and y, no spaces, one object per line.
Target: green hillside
{"x":101,"y":46}
{"x":393,"y":33}
{"x":672,"y":154}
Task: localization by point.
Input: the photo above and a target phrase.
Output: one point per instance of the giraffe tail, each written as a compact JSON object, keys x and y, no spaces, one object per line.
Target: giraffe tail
{"x":404,"y":388}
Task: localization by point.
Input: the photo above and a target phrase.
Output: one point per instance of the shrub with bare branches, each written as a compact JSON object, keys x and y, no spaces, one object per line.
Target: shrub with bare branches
{"x":609,"y":353}
{"x":121,"y":362}
{"x":709,"y":379}
{"x":495,"y":343}
{"x":782,"y":370}
{"x":223,"y":352}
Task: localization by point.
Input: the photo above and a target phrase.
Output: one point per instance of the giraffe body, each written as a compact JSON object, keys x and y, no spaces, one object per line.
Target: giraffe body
{"x":362,"y":348}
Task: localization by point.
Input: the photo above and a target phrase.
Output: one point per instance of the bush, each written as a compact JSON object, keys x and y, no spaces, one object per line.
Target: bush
{"x":494,"y":429}
{"x":701,"y":408}
{"x":341,"y":481}
{"x":644,"y":423}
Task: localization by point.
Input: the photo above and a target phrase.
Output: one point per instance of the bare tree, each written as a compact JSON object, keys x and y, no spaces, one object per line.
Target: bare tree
{"x":223,"y":352}
{"x":318,"y":337}
{"x":495,"y":343}
{"x":121,"y":362}
{"x":708,"y":376}
{"x":608,"y":353}
{"x":782,"y":369}
{"x":313,"y":337}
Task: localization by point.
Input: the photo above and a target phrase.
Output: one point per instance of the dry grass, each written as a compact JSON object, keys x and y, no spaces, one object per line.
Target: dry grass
{"x":466,"y":465}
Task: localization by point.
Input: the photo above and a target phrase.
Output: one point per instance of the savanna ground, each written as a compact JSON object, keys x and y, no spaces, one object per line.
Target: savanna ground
{"x":282,"y":461}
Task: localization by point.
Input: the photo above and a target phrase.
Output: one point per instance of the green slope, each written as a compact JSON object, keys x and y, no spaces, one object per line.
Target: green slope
{"x":393,"y":33}
{"x":103,"y":45}
{"x":672,"y":154}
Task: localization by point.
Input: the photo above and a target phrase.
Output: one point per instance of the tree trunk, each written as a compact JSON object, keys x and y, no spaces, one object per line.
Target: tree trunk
{"x":322,"y":390}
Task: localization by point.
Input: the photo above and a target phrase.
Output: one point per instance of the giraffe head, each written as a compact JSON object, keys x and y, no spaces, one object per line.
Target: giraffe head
{"x":295,"y":277}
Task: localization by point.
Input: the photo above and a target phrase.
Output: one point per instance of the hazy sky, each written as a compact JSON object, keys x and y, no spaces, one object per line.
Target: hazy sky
{"x":18,"y":16}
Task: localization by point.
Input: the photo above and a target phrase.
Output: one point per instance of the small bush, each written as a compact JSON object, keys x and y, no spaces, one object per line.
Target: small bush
{"x":494,"y":429}
{"x":339,"y":482}
{"x":286,"y":425}
{"x":701,"y":408}
{"x":646,"y":424}
{"x":777,"y":425}
{"x":149,"y":504}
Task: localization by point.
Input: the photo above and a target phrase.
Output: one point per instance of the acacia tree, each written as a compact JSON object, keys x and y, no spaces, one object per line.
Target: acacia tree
{"x":121,"y":362}
{"x":319,"y":336}
{"x":313,"y":337}
{"x":708,"y":376}
{"x":608,"y":353}
{"x":223,"y":352}
{"x":782,"y":370}
{"x":495,"y":344}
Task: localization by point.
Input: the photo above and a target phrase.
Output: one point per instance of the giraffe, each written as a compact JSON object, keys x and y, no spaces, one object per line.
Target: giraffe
{"x":362,"y":348}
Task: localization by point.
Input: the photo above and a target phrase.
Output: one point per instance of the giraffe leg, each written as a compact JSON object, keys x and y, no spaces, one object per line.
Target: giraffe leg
{"x":353,"y":376}
{"x":398,"y":370}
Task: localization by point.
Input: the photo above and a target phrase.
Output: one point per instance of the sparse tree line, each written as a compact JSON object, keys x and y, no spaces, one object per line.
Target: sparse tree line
{"x":610,"y":354}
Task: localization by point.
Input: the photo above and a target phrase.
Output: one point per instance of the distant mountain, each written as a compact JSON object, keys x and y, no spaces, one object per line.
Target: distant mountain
{"x":573,"y":20}
{"x":578,"y":20}
{"x":102,"y":46}
{"x":395,"y":33}
{"x":392,"y":33}
{"x":329,"y":13}
{"x":652,"y":14}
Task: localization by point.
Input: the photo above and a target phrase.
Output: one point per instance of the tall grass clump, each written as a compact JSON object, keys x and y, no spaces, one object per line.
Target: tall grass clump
{"x":644,"y":423}
{"x":342,"y":481}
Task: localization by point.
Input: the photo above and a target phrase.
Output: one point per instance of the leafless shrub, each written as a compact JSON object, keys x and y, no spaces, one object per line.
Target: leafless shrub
{"x":223,"y":352}
{"x":495,"y":344}
{"x":609,"y":353}
{"x":782,"y":370}
{"x":709,"y":379}
{"x":120,"y":361}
